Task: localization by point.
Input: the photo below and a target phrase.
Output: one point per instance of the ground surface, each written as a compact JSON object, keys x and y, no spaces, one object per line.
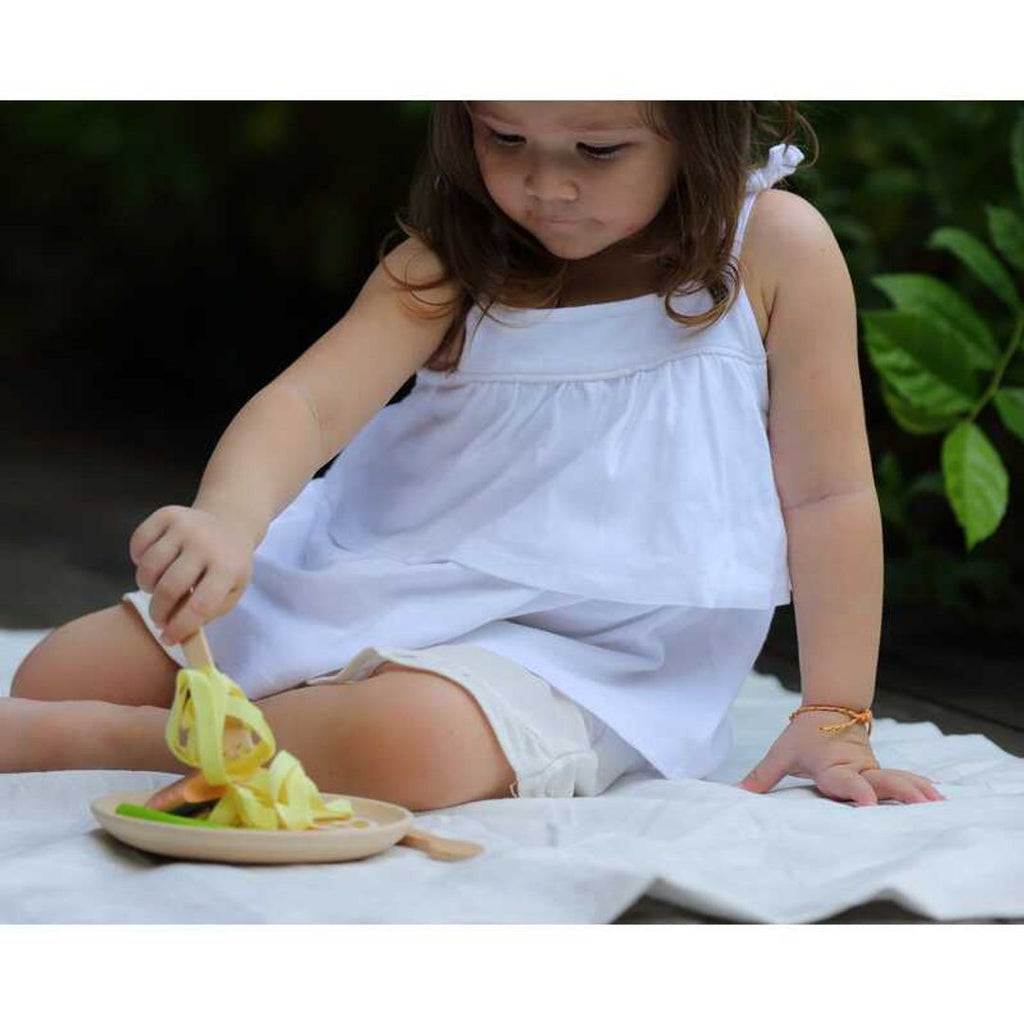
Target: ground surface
{"x":69,"y":505}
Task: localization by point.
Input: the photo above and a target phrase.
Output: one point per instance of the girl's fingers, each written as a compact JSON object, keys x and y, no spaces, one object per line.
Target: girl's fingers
{"x":195,"y":609}
{"x":173,"y":592}
{"x":926,"y":786}
{"x":147,"y":533}
{"x":843,"y":783}
{"x":768,"y":772}
{"x":892,"y":786}
{"x":157,"y":559}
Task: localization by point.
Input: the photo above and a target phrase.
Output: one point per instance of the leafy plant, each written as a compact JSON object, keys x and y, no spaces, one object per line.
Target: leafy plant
{"x":940,"y":363}
{"x":980,"y":591}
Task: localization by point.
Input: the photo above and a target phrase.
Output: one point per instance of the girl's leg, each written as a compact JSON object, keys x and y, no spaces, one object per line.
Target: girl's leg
{"x":53,"y":735}
{"x":107,"y":655}
{"x":406,"y":736}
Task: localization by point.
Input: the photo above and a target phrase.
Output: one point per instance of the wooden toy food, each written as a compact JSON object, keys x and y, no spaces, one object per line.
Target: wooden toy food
{"x":215,"y":729}
{"x":245,"y":801}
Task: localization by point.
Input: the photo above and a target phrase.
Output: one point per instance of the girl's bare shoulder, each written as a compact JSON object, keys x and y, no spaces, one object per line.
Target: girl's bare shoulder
{"x":782,"y":226}
{"x":413,"y":261}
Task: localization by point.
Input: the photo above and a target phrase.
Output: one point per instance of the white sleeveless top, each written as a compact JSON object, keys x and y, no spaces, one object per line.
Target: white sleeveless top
{"x":602,"y":450}
{"x":590,"y":493}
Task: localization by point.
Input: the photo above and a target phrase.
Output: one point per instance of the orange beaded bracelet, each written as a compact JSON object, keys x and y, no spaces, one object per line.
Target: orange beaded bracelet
{"x":864,"y":716}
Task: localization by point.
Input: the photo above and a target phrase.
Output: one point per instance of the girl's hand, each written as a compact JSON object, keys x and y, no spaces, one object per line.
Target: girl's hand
{"x":194,"y":563}
{"x":842,"y":764}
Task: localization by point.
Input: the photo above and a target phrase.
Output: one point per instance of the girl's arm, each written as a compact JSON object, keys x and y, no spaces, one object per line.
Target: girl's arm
{"x":823,"y":474}
{"x":836,"y":569}
{"x":821,"y":459}
{"x":309,"y":412}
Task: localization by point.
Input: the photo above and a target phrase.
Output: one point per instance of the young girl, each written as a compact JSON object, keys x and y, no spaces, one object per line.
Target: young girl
{"x":566,"y":544}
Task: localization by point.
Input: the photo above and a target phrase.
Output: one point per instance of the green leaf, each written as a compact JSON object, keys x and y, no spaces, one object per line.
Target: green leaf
{"x":927,"y":483}
{"x":922,"y":361}
{"x":911,"y":419}
{"x":1009,"y":403}
{"x":934,"y":299}
{"x":978,"y":258}
{"x":1017,"y":151}
{"x":1007,"y":231}
{"x":977,"y":483}
{"x":1014,"y":373}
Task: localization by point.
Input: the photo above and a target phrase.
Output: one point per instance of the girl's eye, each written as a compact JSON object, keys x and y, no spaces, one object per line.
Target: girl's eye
{"x":503,"y":140}
{"x":601,"y":152}
{"x":597,"y":152}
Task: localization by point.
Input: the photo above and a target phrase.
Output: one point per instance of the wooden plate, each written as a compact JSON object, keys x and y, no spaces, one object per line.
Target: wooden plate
{"x":386,"y":824}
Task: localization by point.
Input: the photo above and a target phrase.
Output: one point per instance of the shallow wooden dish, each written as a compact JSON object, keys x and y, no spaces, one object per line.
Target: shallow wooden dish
{"x":388,"y":825}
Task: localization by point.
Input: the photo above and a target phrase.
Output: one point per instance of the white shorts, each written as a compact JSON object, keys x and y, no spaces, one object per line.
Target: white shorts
{"x":555,"y":746}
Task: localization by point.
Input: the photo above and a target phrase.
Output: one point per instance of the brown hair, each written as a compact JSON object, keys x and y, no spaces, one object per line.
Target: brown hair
{"x":690,"y":239}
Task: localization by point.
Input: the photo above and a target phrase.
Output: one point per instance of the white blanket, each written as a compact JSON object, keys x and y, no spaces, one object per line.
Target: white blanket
{"x":789,"y":856}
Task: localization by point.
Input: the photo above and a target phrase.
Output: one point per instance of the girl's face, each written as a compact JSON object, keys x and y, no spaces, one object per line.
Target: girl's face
{"x":579,"y":176}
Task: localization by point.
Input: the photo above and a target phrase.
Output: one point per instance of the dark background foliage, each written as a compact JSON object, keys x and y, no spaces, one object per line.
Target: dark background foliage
{"x":161,"y":261}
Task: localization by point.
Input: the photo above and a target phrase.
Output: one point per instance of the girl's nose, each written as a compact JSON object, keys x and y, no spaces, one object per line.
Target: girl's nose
{"x":549,"y":182}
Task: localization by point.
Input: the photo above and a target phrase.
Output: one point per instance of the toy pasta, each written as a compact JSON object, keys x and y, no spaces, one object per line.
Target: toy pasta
{"x":214,"y":728}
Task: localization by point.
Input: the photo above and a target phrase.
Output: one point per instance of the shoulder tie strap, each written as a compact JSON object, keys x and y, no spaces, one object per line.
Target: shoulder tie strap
{"x":782,"y":161}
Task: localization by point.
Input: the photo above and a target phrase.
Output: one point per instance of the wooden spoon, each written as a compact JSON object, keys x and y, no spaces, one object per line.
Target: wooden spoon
{"x":439,"y":847}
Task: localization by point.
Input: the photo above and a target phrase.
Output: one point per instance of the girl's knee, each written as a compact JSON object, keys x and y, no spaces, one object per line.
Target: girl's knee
{"x":407,"y":737}
{"x":445,"y":750}
{"x":104,"y":655}
{"x":33,"y":678}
